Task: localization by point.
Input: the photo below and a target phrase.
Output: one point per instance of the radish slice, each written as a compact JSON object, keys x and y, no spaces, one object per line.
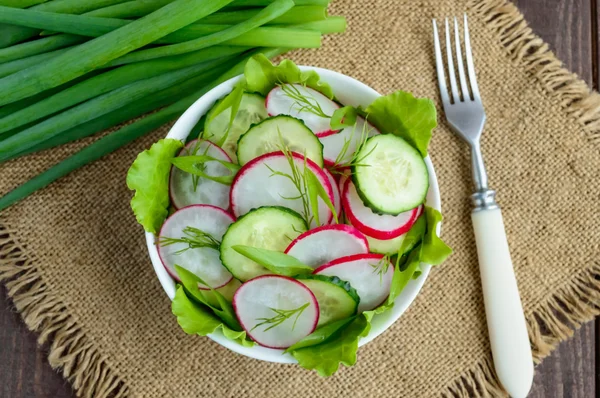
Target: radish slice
{"x":201,"y":261}
{"x":378,"y":226}
{"x":182,"y":189}
{"x":286,"y":100}
{"x":259,"y":302}
{"x":256,"y":185}
{"x":370,"y":274}
{"x":337,"y":198}
{"x":335,"y":144}
{"x":324,"y":244}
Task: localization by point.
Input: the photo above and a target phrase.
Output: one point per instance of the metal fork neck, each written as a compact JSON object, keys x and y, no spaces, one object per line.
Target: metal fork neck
{"x":479,"y":175}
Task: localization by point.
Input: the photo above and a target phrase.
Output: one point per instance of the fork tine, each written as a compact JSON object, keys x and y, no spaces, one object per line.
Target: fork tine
{"x":459,"y":63}
{"x":439,"y":63}
{"x":451,"y":73}
{"x":470,"y":65}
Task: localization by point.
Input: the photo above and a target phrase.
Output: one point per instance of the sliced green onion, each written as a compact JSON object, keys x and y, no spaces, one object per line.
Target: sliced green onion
{"x":267,"y":14}
{"x":119,"y":138}
{"x":98,"y":106}
{"x":109,"y":81}
{"x":8,"y":68}
{"x":38,"y":47}
{"x":103,"y":49}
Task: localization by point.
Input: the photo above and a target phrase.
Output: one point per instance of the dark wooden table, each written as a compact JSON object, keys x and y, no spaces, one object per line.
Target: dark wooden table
{"x":571,"y":28}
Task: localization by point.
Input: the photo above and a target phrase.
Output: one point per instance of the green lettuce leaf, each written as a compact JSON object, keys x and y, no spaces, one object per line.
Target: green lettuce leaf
{"x":404,"y":115}
{"x":197,"y":319}
{"x":149,"y":177}
{"x":435,"y":251}
{"x":341,"y":347}
{"x":261,"y":76}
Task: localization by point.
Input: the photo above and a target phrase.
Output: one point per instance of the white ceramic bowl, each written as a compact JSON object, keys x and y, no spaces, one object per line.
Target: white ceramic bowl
{"x":349,"y":92}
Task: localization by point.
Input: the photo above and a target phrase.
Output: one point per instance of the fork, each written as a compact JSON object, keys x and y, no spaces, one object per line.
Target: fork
{"x":507,"y":330}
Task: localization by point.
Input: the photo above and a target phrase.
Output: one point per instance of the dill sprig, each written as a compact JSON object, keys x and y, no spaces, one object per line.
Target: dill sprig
{"x":280,"y":317}
{"x":381,"y":267}
{"x":201,"y":166}
{"x":194,"y":238}
{"x":304,"y":103}
{"x":355,"y":160}
{"x":297,"y":178}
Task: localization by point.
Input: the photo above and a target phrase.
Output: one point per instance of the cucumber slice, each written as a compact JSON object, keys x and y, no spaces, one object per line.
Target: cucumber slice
{"x":392,"y":177}
{"x":269,"y":227}
{"x":252,"y":110}
{"x":337,"y":299}
{"x":268,"y":136}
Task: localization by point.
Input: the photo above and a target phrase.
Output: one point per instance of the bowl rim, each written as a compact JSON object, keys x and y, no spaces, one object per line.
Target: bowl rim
{"x":380,"y":322}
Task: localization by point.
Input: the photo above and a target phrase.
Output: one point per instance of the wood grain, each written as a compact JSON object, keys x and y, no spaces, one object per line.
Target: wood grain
{"x":570,"y":27}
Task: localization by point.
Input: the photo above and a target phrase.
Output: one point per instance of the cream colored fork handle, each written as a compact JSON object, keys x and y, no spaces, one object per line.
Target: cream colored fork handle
{"x":506,"y":323}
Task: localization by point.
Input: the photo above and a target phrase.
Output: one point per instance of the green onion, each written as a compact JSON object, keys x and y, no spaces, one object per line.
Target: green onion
{"x":67,"y":23}
{"x":119,"y":138}
{"x":8,"y":68}
{"x":96,"y":107}
{"x":25,"y":102}
{"x":130,"y":9}
{"x":264,"y":36}
{"x":99,"y":51}
{"x":262,"y":3}
{"x":298,"y":14}
{"x":158,"y":100}
{"x":13,"y":34}
{"x":335,"y":24}
{"x":267,"y":14}
{"x":109,"y":81}
{"x":38,"y":47}
{"x":20,"y":3}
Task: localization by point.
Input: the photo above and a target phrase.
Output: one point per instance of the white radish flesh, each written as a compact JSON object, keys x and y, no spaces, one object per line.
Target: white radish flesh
{"x":324,"y":244}
{"x":304,"y":103}
{"x":339,"y":148}
{"x":201,"y":261}
{"x":370,"y":274}
{"x":182,"y":187}
{"x":260,"y":302}
{"x":256,"y":185}
{"x":378,"y":226}
{"x":337,"y":197}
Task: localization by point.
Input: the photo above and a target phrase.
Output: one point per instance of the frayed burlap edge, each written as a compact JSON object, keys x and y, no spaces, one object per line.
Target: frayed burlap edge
{"x":578,"y":301}
{"x":553,"y":321}
{"x":81,"y":362}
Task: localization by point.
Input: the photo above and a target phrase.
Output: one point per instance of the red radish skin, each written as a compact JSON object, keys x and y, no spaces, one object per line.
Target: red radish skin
{"x":319,"y":126}
{"x":337,"y":197}
{"x":358,"y":270}
{"x":177,"y":203}
{"x":237,"y":299}
{"x":161,"y":253}
{"x":273,"y":155}
{"x":383,"y":227}
{"x":346,"y":240}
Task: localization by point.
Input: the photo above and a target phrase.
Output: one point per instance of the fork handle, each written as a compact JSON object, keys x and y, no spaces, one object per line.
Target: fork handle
{"x":506,"y":323}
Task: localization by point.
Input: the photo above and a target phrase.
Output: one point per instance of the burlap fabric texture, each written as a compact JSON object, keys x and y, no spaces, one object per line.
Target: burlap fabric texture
{"x":75,"y":264}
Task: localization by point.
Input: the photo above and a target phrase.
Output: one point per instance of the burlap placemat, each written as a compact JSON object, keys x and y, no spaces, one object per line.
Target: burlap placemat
{"x":75,"y":263}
